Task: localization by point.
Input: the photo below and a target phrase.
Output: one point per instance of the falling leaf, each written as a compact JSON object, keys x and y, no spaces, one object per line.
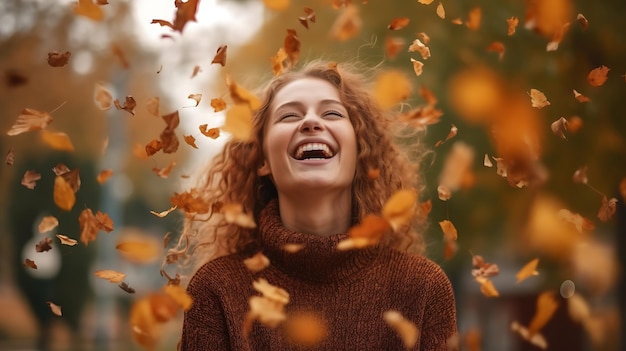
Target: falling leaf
{"x":30,"y":179}
{"x":238,"y":122}
{"x":64,"y":196}
{"x":557,"y":37}
{"x":234,"y":214}
{"x":422,"y":116}
{"x":578,"y":308}
{"x":278,"y":63}
{"x":546,"y":306}
{"x":449,"y":231}
{"x":305,"y":328}
{"x":417,"y":67}
{"x":179,"y":295}
{"x":559,"y":127}
{"x":366,"y":233}
{"x":58,"y":59}
{"x":66,"y":240}
{"x":538,"y":99}
{"x":89,"y":9}
{"x":347,"y":25}
{"x":268,"y":309}
{"x":474,"y":18}
{"x":391,"y":87}
{"x":152,"y":105}
{"x":497,"y":47}
{"x":441,"y":12}
{"x":425,"y":2}
{"x":44,"y":245}
{"x":581,"y":223}
{"x":512,"y":23}
{"x":537,"y":339}
{"x":220,"y":56}
{"x":218,"y":104}
{"x":190,"y":140}
{"x":598,"y":76}
{"x":242,"y":96}
{"x":185,"y":12}
{"x":482,"y":269}
{"x":169,"y":140}
{"x":582,"y":20}
{"x":141,"y":250}
{"x":119,"y":54}
{"x":451,"y":134}
{"x":10,"y":159}
{"x":487,"y":161}
{"x":528,"y":270}
{"x":487,"y":288}
{"x":580,"y":175}
{"x":102,"y":97}
{"x":72,"y":177}
{"x":30,"y":264}
{"x":398,"y":23}
{"x":400,"y":208}
{"x":30,"y":120}
{"x":574,"y":124}
{"x":293,"y":248}
{"x":47,"y":224}
{"x":277,"y":5}
{"x":144,"y":323}
{"x":151,"y":148}
{"x":54,"y":308}
{"x":196,"y":69}
{"x":580,"y":97}
{"x":406,"y":329}
{"x":607,"y":209}
{"x":256,"y":263}
{"x":195,"y":97}
{"x":373,"y":173}
{"x":57,"y":140}
{"x":129,"y":105}
{"x":292,"y":46}
{"x":89,"y":226}
{"x":110,"y":275}
{"x":212,"y":133}
{"x":310,"y":16}
{"x":163,"y":213}
{"x":124,"y":286}
{"x":104,"y":175}
{"x":443,"y":193}
{"x":418,"y":46}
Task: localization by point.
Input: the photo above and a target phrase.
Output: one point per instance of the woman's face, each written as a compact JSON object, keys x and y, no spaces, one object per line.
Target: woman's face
{"x":309,"y":140}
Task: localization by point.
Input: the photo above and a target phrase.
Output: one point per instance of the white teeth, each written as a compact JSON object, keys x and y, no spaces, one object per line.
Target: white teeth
{"x":313,"y":147}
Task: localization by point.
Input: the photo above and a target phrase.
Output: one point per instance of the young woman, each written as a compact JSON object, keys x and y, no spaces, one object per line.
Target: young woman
{"x":307,"y":176}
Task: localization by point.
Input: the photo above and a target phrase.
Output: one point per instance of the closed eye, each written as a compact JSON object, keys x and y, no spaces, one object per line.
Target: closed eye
{"x":287,"y":115}
{"x":333,"y":113}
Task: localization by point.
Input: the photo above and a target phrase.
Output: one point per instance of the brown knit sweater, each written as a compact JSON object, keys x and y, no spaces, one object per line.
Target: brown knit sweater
{"x":350,"y":289}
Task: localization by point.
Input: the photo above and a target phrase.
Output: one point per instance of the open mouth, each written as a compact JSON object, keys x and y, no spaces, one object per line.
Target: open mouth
{"x":313,"y":151}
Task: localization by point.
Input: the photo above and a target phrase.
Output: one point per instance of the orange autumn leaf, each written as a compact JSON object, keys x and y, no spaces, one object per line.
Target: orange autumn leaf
{"x":305,"y":328}
{"x":179,"y":295}
{"x":30,"y":263}
{"x":110,"y":275}
{"x":292,"y":46}
{"x":168,"y":137}
{"x":441,"y":12}
{"x":391,"y":87}
{"x":119,"y":54}
{"x":57,"y":140}
{"x":104,"y":175}
{"x":269,"y":308}
{"x":278,"y":61}
{"x":406,"y":330}
{"x":105,"y":222}
{"x":89,"y":9}
{"x":425,"y":2}
{"x":185,"y":12}
{"x":218,"y":104}
{"x":196,"y":98}
{"x":310,"y":16}
{"x":242,"y":96}
{"x":140,"y":250}
{"x":418,"y":46}
{"x":487,"y":288}
{"x":393,"y":46}
{"x":538,"y":99}
{"x":30,"y":179}
{"x":398,"y":23}
{"x":257,"y":262}
{"x":347,"y":25}
{"x":63,"y":194}
{"x":163,"y":213}
{"x":47,"y":224}
{"x":582,"y":20}
{"x":90,"y":224}
{"x":366,"y":233}
{"x":72,"y":177}
{"x":598,"y":76}
{"x":144,"y":323}
{"x":129,"y":105}
{"x":212,"y":133}
{"x":220,"y":56}
{"x":277,"y":5}
{"x":30,"y":120}
{"x":580,"y":97}
{"x":559,"y":127}
{"x":546,"y":306}
{"x":65,"y":240}
{"x":449,"y":231}
{"x":58,"y":59}
{"x":417,"y":67}
{"x":528,"y":270}
{"x":234,"y":214}
{"x":373,"y":173}
{"x":474,"y":18}
{"x":422,"y":116}
{"x":56,"y":309}
{"x":497,"y":47}
{"x":165,"y":171}
{"x":152,"y":105}
{"x":512,"y":23}
{"x":482,"y":269}
{"x":102,"y":97}
{"x":400,"y":208}
{"x":238,"y":122}
{"x":190,"y":140}
{"x":451,"y":134}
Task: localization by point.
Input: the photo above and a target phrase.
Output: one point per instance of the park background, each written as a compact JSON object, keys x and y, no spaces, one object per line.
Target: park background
{"x":481,"y":75}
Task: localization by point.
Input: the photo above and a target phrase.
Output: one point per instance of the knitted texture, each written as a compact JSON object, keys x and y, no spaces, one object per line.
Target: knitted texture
{"x":350,"y":290}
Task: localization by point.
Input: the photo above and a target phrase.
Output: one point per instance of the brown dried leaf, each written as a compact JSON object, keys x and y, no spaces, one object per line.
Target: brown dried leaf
{"x":119,"y":54}
{"x":65,"y":240}
{"x":30,"y":120}
{"x":422,"y":116}
{"x":559,"y":127}
{"x":190,"y":140}
{"x":451,"y":134}
{"x":305,"y":328}
{"x":89,"y":226}
{"x":58,"y":59}
{"x":152,"y":105}
{"x":124,"y":286}
{"x":153,"y":147}
{"x":580,"y":175}
{"x":10,"y":159}
{"x":169,"y":140}
{"x":110,"y":275}
{"x":218,"y":104}
{"x":104,"y":175}
{"x":580,"y":97}
{"x":47,"y":224}
{"x":212,"y":133}
{"x":54,"y":308}
{"x":129,"y":105}
{"x":607,"y":209}
{"x":292,"y":46}
{"x":89,"y":9}
{"x":418,"y":46}
{"x":512,"y":23}
{"x":278,"y":63}
{"x":30,"y":264}
{"x":44,"y":245}
{"x":220,"y":56}
{"x":102,"y":97}
{"x":598,"y":76}
{"x":347,"y":25}
{"x":528,"y":270}
{"x":417,"y":67}
{"x":398,"y":23}
{"x":584,"y":24}
{"x":196,"y":98}
{"x":393,"y":46}
{"x":482,"y":269}
{"x":538,"y":99}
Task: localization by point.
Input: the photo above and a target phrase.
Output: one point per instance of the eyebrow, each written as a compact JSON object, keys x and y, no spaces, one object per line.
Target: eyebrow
{"x":298,"y":103}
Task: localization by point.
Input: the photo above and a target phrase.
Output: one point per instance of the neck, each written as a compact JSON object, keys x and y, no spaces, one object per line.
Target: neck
{"x":316,"y":214}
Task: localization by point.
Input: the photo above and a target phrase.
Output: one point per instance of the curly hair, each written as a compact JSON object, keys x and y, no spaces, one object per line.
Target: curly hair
{"x":232,"y":177}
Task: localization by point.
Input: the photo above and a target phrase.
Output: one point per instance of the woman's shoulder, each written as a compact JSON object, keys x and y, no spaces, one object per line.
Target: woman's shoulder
{"x":415,"y":267}
{"x":220,"y":272}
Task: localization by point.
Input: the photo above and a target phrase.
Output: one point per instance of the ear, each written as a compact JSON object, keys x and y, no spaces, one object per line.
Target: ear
{"x":264,"y":169}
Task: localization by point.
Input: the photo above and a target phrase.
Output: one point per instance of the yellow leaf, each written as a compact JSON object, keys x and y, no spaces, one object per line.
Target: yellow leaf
{"x":140,"y":250}
{"x":400,"y":208}
{"x":449,"y":231}
{"x":305,"y":328}
{"x":89,"y":9}
{"x":242,"y":96}
{"x":163,"y":213}
{"x":57,"y":140}
{"x":144,"y":325}
{"x":257,"y":263}
{"x":65,"y":240}
{"x":407,"y":331}
{"x":391,"y":87}
{"x":441,"y":12}
{"x":238,"y":122}
{"x":474,"y":18}
{"x":277,"y":5}
{"x":218,"y":104}
{"x":546,"y":306}
{"x":528,"y":270}
{"x":48,"y":223}
{"x":64,"y":196}
{"x":104,"y":175}
{"x":179,"y":294}
{"x":110,"y":275}
{"x":347,"y":25}
{"x":487,"y":287}
{"x":598,"y":76}
{"x":538,"y":99}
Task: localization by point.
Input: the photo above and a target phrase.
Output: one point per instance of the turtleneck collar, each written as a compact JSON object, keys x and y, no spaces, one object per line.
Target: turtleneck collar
{"x":319,"y":259}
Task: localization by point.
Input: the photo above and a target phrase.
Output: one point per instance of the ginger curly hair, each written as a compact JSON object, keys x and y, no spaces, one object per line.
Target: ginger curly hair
{"x":232,"y":177}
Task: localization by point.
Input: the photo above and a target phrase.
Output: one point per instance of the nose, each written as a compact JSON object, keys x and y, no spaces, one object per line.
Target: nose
{"x":311,"y":123}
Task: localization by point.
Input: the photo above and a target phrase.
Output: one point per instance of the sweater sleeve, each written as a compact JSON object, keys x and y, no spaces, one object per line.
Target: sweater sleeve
{"x":440,"y":322}
{"x":204,"y":325}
